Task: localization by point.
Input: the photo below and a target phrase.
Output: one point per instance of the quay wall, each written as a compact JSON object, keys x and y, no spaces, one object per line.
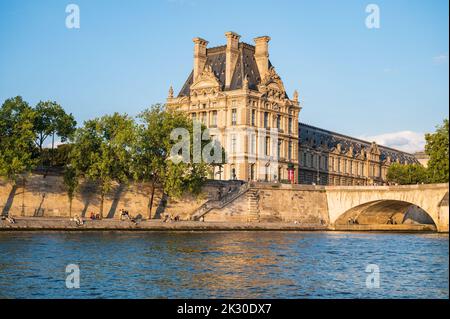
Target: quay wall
{"x":312,"y":206}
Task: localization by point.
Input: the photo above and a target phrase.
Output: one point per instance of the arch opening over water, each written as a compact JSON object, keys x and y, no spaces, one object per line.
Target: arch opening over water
{"x":386,"y":212}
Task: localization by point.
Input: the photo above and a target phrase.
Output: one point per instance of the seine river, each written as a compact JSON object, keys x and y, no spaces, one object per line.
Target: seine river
{"x":224,"y":265}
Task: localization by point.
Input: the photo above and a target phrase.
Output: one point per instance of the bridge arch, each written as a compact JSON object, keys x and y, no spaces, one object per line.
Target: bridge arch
{"x":385,"y":212}
{"x":427,"y":201}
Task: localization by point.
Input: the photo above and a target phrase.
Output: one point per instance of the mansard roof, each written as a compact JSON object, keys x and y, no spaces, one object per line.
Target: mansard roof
{"x":319,"y":138}
{"x":245,"y":67}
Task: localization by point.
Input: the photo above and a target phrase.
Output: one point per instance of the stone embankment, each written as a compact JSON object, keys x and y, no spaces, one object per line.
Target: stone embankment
{"x":40,"y":223}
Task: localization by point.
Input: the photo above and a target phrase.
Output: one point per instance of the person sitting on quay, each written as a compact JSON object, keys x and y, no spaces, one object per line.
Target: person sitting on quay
{"x":78,"y":220}
{"x":8,"y":218}
{"x":124,"y":214}
{"x":391,"y":221}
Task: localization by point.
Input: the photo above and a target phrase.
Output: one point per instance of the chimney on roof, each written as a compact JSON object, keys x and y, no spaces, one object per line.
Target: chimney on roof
{"x":262,"y":54}
{"x":199,"y":56}
{"x":232,"y":54}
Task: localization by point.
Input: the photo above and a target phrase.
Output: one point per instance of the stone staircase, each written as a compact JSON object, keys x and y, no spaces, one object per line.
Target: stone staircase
{"x":253,"y":205}
{"x":225,"y":200}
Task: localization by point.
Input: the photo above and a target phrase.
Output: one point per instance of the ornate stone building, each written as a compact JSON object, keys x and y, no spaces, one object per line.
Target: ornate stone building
{"x":235,"y":91}
{"x":329,"y":158}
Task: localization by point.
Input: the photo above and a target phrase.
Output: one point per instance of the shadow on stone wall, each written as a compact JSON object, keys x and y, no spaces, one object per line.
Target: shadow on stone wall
{"x":9,"y":201}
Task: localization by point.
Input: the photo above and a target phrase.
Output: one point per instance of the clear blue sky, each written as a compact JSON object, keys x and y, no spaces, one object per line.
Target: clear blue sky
{"x":126,"y":54}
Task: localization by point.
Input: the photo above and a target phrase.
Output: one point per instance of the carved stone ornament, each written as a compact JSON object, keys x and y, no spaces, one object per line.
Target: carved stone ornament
{"x":206,"y":82}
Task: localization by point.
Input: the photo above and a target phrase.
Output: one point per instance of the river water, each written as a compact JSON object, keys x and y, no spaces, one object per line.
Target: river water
{"x":224,"y":265}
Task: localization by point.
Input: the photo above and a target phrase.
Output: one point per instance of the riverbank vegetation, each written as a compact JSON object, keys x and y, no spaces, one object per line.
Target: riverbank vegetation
{"x":110,"y":149}
{"x":437,"y":170}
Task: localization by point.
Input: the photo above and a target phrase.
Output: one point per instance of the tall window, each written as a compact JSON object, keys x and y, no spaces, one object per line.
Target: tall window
{"x":194,"y":116}
{"x":267,"y":146}
{"x":214,"y":119}
{"x":233,"y":116}
{"x":279,"y":149}
{"x":233,"y":143}
{"x":253,"y":117}
{"x":339,"y":165}
{"x":204,"y":118}
{"x":253,"y":144}
{"x":278,"y":121}
{"x":290,"y":150}
{"x":290,"y":125}
{"x":266,"y":120}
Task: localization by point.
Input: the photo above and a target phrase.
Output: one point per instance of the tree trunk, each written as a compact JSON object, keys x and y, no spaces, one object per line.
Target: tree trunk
{"x":53,"y":147}
{"x":70,"y":207}
{"x":151,"y":199}
{"x":101,"y":204}
{"x":23,"y":196}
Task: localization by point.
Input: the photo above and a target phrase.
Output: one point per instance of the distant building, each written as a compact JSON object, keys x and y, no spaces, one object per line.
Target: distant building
{"x":329,"y":158}
{"x":422,"y":157}
{"x":235,"y":91}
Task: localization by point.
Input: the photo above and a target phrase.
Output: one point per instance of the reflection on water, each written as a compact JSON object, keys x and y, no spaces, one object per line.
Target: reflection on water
{"x":223,"y":264}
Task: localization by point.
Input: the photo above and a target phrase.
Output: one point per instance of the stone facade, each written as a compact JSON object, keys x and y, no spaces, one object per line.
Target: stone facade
{"x":329,"y":158}
{"x":235,"y":91}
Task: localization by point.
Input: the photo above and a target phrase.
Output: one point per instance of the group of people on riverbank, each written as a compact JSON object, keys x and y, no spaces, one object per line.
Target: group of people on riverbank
{"x":170,"y":218}
{"x":9,"y":219}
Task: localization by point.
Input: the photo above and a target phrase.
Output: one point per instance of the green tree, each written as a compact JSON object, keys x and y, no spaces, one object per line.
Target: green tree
{"x":16,"y":139}
{"x":437,"y":148}
{"x":152,"y":154}
{"x":407,"y":174}
{"x":101,"y":151}
{"x":50,"y":120}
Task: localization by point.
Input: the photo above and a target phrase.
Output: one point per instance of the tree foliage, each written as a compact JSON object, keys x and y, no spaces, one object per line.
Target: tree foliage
{"x":102,"y":151}
{"x":437,"y":148}
{"x":50,"y":119}
{"x":407,"y":174}
{"x":437,"y":171}
{"x":16,"y":138}
{"x":152,"y":154}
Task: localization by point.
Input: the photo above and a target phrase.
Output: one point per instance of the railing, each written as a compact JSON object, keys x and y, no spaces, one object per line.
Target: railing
{"x":225,"y":200}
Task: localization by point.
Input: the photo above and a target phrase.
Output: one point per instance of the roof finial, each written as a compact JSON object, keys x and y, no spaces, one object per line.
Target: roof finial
{"x":295,"y":96}
{"x":171,"y":92}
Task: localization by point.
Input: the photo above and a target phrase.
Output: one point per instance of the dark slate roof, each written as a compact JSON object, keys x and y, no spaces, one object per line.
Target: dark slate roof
{"x":317,"y":137}
{"x":245,"y":66}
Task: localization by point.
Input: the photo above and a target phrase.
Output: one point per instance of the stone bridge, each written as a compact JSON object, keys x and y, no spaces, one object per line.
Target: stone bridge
{"x":424,"y":204}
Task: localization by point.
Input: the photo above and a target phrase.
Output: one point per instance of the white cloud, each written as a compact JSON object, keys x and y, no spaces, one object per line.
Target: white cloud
{"x":406,"y":141}
{"x":441,"y":59}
